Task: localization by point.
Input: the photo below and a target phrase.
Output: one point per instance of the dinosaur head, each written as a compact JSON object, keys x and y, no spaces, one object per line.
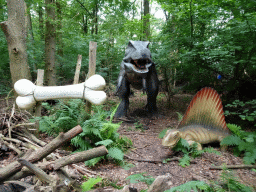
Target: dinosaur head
{"x":171,"y":138}
{"x":137,"y":57}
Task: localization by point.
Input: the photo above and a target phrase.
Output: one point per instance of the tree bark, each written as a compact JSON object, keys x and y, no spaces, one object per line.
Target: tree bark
{"x":38,"y":155}
{"x":60,"y":51}
{"x":146,"y":22}
{"x":50,"y":44}
{"x":41,"y":20}
{"x":92,"y":69}
{"x":78,"y":67}
{"x":67,"y":160}
{"x":16,"y":33}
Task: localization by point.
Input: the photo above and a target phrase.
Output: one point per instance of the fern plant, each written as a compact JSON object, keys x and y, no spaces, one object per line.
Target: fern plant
{"x":141,"y":177}
{"x":243,"y":143}
{"x":89,"y":184}
{"x":63,"y":116}
{"x":190,"y":151}
{"x":227,"y":182}
{"x":96,"y":129}
{"x":191,"y":185}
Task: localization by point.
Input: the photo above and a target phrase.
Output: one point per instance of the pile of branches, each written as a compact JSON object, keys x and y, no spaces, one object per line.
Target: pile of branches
{"x":31,"y":151}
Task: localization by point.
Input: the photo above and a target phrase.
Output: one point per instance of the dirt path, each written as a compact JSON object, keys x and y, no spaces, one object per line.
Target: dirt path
{"x":147,"y":146}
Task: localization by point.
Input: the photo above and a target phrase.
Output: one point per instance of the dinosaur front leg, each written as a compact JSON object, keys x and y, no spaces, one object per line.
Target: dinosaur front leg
{"x":152,"y":90}
{"x":123,"y":91}
{"x":191,"y":142}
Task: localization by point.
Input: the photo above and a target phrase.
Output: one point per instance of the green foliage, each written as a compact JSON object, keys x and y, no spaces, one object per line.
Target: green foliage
{"x":88,"y":185}
{"x":243,"y":143}
{"x":245,"y":110}
{"x":63,"y":116}
{"x":190,"y":151}
{"x":141,"y":177}
{"x":180,"y":116}
{"x":96,"y":129}
{"x":162,"y":133}
{"x":228,"y":182}
{"x":191,"y":185}
{"x":138,"y":125}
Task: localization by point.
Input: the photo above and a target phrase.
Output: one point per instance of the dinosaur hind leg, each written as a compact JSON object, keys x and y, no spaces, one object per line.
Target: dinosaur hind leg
{"x":152,"y":91}
{"x":123,"y":91}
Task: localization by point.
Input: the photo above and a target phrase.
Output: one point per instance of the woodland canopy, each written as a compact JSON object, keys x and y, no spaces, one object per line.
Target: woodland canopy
{"x":194,"y":44}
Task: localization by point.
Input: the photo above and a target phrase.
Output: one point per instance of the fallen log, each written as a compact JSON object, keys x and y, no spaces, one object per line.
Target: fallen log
{"x":234,"y":167}
{"x":39,"y":154}
{"x":41,"y":175}
{"x":67,"y":160}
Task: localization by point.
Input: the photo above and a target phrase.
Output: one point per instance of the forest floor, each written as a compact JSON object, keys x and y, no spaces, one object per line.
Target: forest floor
{"x":147,"y":146}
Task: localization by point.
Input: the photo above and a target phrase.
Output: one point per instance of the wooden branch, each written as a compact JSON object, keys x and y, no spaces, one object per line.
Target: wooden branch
{"x":15,"y":166}
{"x":59,"y":163}
{"x":151,"y":161}
{"x":41,"y":175}
{"x":80,"y":157}
{"x":13,"y":147}
{"x":234,"y":167}
{"x":34,"y":138}
{"x":78,"y":67}
{"x":92,"y":68}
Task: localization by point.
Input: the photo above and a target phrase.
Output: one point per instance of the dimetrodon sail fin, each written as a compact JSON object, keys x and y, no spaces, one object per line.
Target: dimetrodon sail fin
{"x":204,"y":121}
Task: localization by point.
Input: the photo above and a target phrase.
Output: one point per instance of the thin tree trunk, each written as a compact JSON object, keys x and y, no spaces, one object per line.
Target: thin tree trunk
{"x":41,"y":20}
{"x":146,"y":23}
{"x":16,"y":33}
{"x":60,"y":51}
{"x":50,"y":44}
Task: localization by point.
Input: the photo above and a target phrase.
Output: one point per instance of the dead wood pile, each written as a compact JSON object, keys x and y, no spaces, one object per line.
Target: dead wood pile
{"x":15,"y":137}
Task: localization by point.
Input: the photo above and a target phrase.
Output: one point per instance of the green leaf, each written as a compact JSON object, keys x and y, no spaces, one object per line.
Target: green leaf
{"x":191,"y":185}
{"x":185,"y":160}
{"x":162,"y":134}
{"x":115,"y":153}
{"x":104,"y":142}
{"x":88,"y":185}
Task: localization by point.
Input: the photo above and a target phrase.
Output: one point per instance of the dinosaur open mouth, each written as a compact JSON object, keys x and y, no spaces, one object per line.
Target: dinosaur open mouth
{"x":140,"y":63}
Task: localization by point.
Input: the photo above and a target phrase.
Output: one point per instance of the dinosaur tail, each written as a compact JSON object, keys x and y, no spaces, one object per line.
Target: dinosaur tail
{"x":205,"y":109}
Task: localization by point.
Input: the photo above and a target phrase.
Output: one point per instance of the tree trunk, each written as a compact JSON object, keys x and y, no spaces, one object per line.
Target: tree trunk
{"x":16,"y":32}
{"x":41,"y":20}
{"x":50,"y":34}
{"x":60,"y":51}
{"x":146,"y":23}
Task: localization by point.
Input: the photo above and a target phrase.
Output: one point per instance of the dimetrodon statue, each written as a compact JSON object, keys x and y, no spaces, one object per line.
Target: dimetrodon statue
{"x":203,"y":122}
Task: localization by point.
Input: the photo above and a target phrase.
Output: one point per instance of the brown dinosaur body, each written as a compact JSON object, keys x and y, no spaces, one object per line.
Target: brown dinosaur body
{"x":203,"y":122}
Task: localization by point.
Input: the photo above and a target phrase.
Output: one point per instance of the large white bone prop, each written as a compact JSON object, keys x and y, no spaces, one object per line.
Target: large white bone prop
{"x":91,"y":90}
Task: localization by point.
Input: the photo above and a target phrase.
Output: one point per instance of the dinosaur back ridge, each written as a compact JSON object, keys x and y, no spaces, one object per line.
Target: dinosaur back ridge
{"x":205,"y":109}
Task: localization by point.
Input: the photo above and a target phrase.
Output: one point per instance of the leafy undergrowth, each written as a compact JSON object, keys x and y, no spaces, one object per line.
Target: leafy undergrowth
{"x":228,"y":182}
{"x":96,"y":129}
{"x":243,"y":143}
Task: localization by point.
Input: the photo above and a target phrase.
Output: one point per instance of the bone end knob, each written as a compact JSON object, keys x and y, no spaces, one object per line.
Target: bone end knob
{"x":95,"y":97}
{"x":24,"y":87}
{"x":95,"y":82}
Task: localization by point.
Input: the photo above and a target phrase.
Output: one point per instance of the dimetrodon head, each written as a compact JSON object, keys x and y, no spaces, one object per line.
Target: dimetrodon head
{"x":203,"y":122}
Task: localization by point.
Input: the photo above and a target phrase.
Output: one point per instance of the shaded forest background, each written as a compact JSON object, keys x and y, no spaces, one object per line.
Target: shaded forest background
{"x":194,"y":44}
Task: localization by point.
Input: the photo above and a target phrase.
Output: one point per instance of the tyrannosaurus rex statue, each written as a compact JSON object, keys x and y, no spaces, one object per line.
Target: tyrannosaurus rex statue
{"x":138,"y":70}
